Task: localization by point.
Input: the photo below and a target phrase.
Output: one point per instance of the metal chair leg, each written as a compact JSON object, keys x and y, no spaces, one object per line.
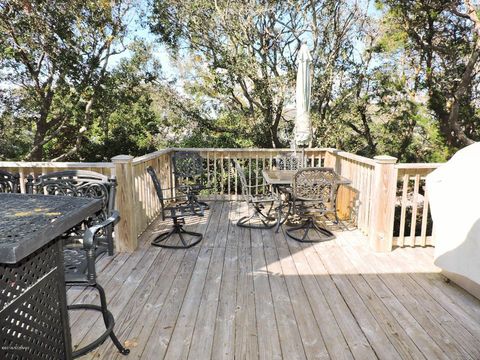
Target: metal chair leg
{"x":180,"y":231}
{"x":108,"y":318}
{"x":308,"y":225}
{"x":281,"y":221}
{"x":109,"y":324}
{"x":244,"y":222}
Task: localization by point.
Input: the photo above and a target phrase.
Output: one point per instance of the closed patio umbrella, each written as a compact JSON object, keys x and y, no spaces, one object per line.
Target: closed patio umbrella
{"x":302,"y":97}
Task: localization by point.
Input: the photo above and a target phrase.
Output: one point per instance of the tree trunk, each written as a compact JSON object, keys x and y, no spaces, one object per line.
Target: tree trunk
{"x":40,"y":133}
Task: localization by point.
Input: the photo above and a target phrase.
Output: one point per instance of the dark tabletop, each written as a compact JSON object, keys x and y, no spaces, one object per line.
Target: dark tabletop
{"x":27,"y":222}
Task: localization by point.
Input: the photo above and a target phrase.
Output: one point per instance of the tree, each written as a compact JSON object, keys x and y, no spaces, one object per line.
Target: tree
{"x":443,"y":44}
{"x":125,"y":120}
{"x":245,"y":53}
{"x":53,"y":58}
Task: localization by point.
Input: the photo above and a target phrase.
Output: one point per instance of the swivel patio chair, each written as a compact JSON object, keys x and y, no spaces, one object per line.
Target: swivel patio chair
{"x":292,"y":161}
{"x":189,"y":178}
{"x":84,"y":184}
{"x":177,"y":209}
{"x":9,"y":183}
{"x":314,"y":193}
{"x":80,"y":271}
{"x":259,"y":205}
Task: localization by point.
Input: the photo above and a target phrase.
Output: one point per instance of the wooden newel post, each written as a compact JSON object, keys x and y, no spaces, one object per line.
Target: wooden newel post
{"x":383,"y":204}
{"x":125,"y":234}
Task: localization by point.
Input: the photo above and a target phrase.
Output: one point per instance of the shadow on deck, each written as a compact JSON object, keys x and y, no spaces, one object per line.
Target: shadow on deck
{"x":251,"y":294}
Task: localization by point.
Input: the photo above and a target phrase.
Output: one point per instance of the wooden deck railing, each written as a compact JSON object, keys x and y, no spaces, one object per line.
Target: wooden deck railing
{"x":385,"y":200}
{"x":413,"y":223}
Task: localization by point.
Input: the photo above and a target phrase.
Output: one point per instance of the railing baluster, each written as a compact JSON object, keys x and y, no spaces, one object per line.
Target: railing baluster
{"x":256,"y":174}
{"x":222,"y":174}
{"x":263,"y":167}
{"x":215,"y":173}
{"x":208,"y":168}
{"x":236,"y":180}
{"x":413,"y":224}
{"x":403,"y":210}
{"x":423,"y":235}
{"x":229,"y":177}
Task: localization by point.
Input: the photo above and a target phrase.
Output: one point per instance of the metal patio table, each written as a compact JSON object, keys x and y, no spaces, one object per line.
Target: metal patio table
{"x":33,"y":307}
{"x":278,"y":178}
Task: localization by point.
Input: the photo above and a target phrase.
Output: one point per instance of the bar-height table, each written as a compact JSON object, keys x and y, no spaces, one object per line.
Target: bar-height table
{"x":33,"y":308}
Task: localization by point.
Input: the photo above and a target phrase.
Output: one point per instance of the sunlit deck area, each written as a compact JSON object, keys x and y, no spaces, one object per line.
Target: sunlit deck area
{"x":249,"y":294}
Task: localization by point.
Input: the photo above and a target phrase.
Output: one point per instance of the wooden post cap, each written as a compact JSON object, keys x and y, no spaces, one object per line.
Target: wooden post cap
{"x":385,"y":159}
{"x":122,"y":158}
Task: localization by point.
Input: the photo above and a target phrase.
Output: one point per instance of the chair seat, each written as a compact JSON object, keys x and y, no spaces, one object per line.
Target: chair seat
{"x":75,"y":263}
{"x":193,"y":187}
{"x":173,"y":211}
{"x":259,"y":198}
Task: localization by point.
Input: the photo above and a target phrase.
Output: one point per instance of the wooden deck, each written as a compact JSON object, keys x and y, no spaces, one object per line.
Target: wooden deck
{"x":253,"y":294}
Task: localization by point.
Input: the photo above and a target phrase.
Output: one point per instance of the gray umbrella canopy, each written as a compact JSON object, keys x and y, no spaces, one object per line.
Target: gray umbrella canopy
{"x":302,"y":97}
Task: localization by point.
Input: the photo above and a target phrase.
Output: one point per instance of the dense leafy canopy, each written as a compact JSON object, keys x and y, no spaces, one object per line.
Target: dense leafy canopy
{"x":396,"y":76}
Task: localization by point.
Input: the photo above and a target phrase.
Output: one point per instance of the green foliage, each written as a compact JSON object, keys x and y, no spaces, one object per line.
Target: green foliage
{"x":396,"y":81}
{"x":53,"y":58}
{"x":440,"y":39}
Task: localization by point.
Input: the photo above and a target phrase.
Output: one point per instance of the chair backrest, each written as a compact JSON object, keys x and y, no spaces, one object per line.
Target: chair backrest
{"x":80,"y":183}
{"x":9,"y":183}
{"x":187,"y":164}
{"x":157,"y":185}
{"x":315,"y":184}
{"x":243,"y":181}
{"x":293,"y":161}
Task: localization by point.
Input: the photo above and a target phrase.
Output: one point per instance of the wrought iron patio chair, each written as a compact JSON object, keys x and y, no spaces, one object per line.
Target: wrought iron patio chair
{"x":81,"y":183}
{"x":177,"y":209}
{"x":259,"y":205}
{"x":80,"y":271}
{"x":314,"y":192}
{"x":9,"y":183}
{"x":189,"y":178}
{"x":291,"y":161}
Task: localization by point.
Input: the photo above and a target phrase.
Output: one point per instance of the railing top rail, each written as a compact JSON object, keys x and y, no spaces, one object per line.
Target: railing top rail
{"x":53,"y":164}
{"x":154,"y":155}
{"x":249,"y":149}
{"x":418,"y":165}
{"x":358,"y":158}
{"x":151,"y":156}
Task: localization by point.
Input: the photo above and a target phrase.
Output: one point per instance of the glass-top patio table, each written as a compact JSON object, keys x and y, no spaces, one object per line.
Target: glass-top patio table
{"x":279,"y":178}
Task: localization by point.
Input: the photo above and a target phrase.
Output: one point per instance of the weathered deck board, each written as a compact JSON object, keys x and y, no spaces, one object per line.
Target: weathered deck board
{"x":253,"y":294}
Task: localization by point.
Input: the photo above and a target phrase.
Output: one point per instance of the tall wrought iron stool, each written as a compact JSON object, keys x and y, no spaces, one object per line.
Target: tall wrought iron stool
{"x":189,"y":178}
{"x":171,"y":208}
{"x":314,"y":194}
{"x":81,"y":183}
{"x":9,"y":183}
{"x":80,"y":271}
{"x":259,"y":205}
{"x":86,"y":242}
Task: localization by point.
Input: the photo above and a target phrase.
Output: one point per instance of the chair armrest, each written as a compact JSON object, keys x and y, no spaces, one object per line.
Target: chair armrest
{"x":90,"y":233}
{"x":175,"y":198}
